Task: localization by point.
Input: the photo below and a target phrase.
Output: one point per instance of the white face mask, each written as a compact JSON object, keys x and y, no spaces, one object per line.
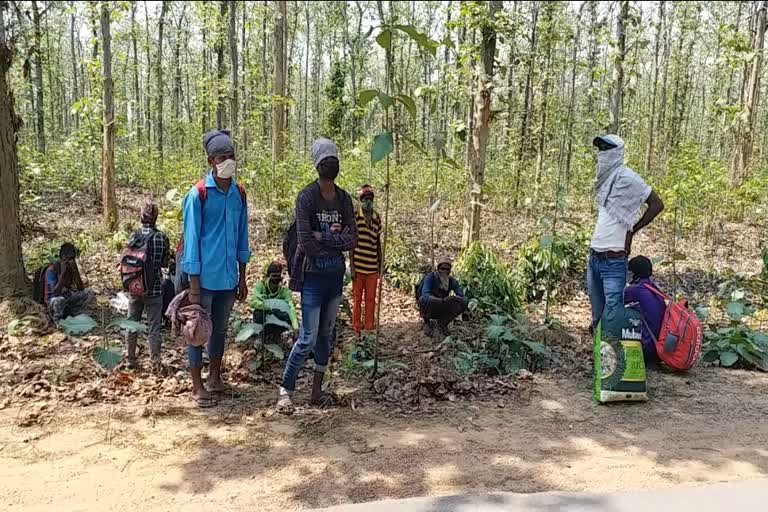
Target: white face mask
{"x":226,"y":169}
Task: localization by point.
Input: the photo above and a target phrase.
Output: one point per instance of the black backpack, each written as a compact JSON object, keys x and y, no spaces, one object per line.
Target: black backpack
{"x":290,"y":237}
{"x":38,"y":284}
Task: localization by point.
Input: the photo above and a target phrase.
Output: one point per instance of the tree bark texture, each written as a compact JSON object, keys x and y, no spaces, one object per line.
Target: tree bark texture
{"x":108,"y":197}
{"x":617,"y":95}
{"x":278,"y":91}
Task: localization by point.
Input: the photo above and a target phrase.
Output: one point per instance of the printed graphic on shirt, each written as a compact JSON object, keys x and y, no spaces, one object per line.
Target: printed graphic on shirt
{"x":326,"y":218}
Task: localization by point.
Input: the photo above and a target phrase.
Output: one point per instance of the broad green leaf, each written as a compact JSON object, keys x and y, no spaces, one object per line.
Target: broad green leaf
{"x":107,"y":358}
{"x":494,"y":332}
{"x":278,"y":304}
{"x":420,"y":38}
{"x":498,"y":319}
{"x":248,"y":330}
{"x":13,"y":325}
{"x":367,"y":96}
{"x":546,"y":241}
{"x":447,"y":41}
{"x":275,"y":350}
{"x":127,"y":324}
{"x":408,"y":103}
{"x":702,"y":312}
{"x":385,"y":100}
{"x":735,"y":310}
{"x":77,"y":324}
{"x":728,"y":358}
{"x":384,"y":38}
{"x":537,"y":347}
{"x":273,"y":320}
{"x":382,"y":146}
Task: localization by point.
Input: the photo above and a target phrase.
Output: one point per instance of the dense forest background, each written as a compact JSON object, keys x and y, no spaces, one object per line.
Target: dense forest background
{"x":458,"y":106}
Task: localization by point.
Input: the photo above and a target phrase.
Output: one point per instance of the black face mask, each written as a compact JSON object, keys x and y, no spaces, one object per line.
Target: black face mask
{"x":327,"y":173}
{"x":274,"y":283}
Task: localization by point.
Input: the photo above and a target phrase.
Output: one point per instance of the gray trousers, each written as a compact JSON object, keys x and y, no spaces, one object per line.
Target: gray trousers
{"x":154,"y":308}
{"x":71,"y":304}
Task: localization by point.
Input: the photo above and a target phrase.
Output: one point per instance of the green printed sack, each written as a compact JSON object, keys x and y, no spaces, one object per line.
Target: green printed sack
{"x":618,"y":354}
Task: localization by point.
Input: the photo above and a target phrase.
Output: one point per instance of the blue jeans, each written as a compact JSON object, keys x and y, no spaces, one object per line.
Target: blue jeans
{"x":219,"y":306}
{"x":320,"y":300}
{"x":606,"y":278}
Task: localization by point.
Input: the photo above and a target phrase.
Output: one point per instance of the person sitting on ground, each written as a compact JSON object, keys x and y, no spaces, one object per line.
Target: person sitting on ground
{"x":651,"y":305}
{"x":365,"y":262}
{"x":437,"y":306}
{"x":65,"y":291}
{"x":272,"y":288}
{"x":152,"y":301}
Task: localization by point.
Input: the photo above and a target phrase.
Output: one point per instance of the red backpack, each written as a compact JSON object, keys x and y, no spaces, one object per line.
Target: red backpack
{"x":679,"y":342}
{"x":136,"y":266}
{"x":202,"y":194}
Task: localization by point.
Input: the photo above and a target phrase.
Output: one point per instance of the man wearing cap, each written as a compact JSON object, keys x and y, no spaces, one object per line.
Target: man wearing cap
{"x":325,"y":229}
{"x":651,"y":304}
{"x":215,"y":254}
{"x":437,"y":306}
{"x":270,"y":289}
{"x":152,"y":300}
{"x":620,"y":194}
{"x":365,"y":261}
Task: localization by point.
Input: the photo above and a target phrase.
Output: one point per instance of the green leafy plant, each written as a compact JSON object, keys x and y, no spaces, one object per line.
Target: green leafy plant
{"x":508,"y":346}
{"x":552,"y":260}
{"x":78,"y":324}
{"x":736,"y":344}
{"x":403,"y":269}
{"x":485,"y":278}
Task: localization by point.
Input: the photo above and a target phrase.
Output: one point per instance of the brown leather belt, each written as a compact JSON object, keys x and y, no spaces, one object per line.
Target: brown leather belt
{"x":608,"y":255}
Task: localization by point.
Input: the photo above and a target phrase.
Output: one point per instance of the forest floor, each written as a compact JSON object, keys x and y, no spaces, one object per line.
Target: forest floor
{"x":74,"y":437}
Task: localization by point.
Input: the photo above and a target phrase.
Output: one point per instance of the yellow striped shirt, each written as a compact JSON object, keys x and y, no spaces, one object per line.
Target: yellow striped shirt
{"x":366,"y":254}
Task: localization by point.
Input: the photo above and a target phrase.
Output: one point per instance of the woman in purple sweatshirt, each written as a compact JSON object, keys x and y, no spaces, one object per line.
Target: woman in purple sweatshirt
{"x":651,"y":305}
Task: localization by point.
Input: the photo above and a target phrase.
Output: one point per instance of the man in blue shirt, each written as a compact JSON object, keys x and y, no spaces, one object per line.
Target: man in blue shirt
{"x":437,"y":306}
{"x":65,"y":292}
{"x":215,"y":254}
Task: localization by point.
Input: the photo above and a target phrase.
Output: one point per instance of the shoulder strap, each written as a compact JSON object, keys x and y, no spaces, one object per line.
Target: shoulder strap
{"x":657,"y":292}
{"x":243,"y":196}
{"x":648,"y":328}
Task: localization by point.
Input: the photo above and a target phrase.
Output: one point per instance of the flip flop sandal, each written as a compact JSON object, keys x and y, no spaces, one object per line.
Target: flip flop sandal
{"x":227,"y":391}
{"x":205,"y":403}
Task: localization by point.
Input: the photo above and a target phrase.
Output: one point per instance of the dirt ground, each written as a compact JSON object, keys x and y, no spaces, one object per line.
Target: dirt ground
{"x":708,"y":426}
{"x":72,"y":438}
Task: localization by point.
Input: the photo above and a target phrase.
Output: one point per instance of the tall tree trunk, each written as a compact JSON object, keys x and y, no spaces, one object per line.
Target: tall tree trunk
{"x":148,"y":82}
{"x":305,"y":140}
{"x":265,"y":123}
{"x":742,"y":157}
{"x":137,"y":120}
{"x":652,"y":117}
{"x":617,"y":95}
{"x":206,"y":118}
{"x":233,"y":101}
{"x":13,"y":279}
{"x":38,"y":63}
{"x":278,"y":91}
{"x":160,"y":81}
{"x":290,"y":35}
{"x":548,"y":15}
{"x":478,"y":144}
{"x":244,"y":87}
{"x":572,"y":99}
{"x":220,"y":71}
{"x":75,"y":59}
{"x":512,"y":60}
{"x":527,"y":103}
{"x":108,"y":197}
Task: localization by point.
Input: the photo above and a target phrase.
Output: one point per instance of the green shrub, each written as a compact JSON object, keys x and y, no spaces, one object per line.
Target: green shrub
{"x":552,"y":260}
{"x":506,"y":348}
{"x":736,"y":344}
{"x":403,"y":269}
{"x":485,"y":278}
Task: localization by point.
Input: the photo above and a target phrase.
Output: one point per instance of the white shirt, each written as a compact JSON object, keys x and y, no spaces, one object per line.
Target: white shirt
{"x":610,"y":234}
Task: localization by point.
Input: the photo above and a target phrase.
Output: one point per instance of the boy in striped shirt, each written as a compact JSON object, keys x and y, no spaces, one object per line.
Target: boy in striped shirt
{"x":366,"y":261}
